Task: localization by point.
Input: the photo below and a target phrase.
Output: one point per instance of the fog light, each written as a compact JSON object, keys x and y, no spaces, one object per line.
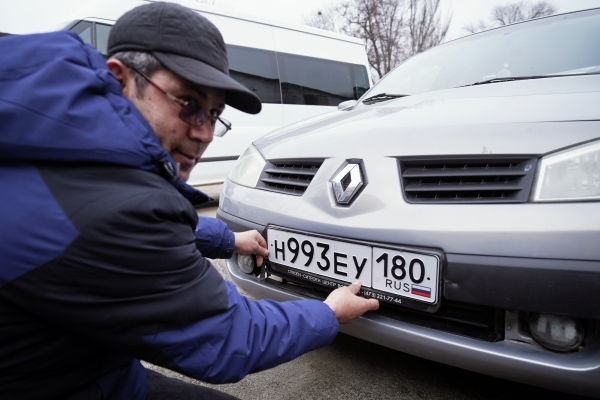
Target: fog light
{"x":246,"y":263}
{"x":556,"y":332}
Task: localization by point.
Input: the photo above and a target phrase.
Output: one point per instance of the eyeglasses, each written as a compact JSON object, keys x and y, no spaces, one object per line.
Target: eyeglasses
{"x":191,"y":112}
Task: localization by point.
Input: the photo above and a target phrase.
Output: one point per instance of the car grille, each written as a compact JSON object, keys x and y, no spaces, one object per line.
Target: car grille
{"x":470,"y":320}
{"x":288,"y":177}
{"x":482,"y":180}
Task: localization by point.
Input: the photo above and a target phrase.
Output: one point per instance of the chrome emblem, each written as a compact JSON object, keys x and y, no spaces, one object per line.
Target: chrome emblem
{"x":347,"y":183}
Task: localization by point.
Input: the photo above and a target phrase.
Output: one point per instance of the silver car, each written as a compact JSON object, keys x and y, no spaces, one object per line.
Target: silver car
{"x":463,"y":190}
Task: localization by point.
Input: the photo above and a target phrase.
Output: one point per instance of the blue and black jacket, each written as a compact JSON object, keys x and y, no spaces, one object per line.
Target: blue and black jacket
{"x":98,"y":263}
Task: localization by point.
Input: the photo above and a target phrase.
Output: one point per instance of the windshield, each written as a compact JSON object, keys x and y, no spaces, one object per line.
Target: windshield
{"x":559,"y":45}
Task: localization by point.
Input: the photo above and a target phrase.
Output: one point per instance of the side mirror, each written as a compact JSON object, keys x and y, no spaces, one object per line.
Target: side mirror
{"x":346,"y":104}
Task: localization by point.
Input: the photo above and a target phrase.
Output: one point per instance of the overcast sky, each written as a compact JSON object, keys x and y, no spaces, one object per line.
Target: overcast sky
{"x":24,"y":16}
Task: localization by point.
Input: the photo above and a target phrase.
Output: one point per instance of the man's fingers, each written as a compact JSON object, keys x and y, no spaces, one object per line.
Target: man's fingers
{"x":347,"y":306}
{"x":355,"y":287}
{"x":262,"y":245}
{"x":250,"y":242}
{"x":261,"y":240}
{"x":373,"y":304}
{"x":261,"y":251}
{"x":260,"y":248}
{"x":259,"y":260}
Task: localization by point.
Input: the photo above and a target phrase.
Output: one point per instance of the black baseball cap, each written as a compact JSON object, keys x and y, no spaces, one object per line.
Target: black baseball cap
{"x":186,"y":43}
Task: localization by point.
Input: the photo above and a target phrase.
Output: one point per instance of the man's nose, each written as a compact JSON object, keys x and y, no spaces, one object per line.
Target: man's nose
{"x":203,"y":133}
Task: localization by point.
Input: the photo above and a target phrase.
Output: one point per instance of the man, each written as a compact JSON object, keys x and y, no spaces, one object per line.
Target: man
{"x":185,"y":143}
{"x":98,"y":265}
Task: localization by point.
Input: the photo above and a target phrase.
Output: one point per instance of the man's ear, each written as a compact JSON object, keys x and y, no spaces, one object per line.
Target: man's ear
{"x":122,"y":73}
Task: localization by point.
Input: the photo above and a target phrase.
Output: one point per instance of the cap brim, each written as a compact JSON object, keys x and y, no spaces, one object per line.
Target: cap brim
{"x":236,"y":95}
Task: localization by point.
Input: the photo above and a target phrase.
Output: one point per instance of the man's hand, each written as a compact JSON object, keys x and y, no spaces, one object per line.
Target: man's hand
{"x":251,"y":242}
{"x":347,"y":306}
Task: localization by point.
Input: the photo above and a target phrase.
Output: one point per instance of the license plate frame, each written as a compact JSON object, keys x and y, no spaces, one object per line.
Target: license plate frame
{"x":313,"y":276}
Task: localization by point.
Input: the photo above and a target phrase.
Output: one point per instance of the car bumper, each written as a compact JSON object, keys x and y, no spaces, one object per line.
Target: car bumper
{"x":511,"y":358}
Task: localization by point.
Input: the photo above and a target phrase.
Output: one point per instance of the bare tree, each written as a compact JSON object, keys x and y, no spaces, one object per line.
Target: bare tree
{"x":508,"y":14}
{"x":378,"y":24}
{"x":392,"y":30}
{"x":541,"y":9}
{"x":511,"y":13}
{"x":424,"y":25}
{"x":479,"y":26}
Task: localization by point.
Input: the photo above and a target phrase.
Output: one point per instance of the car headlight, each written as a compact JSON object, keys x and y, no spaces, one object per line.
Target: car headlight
{"x":569,"y":175}
{"x":248,"y":167}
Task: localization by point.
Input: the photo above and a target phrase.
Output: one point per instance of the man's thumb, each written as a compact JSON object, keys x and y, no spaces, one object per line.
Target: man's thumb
{"x":355,"y":286}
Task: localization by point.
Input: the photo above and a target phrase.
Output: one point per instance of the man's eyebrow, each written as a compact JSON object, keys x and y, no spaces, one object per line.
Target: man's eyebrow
{"x":202,"y":94}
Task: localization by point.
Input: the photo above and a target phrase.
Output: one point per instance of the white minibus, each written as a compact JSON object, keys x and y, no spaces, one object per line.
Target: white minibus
{"x":296,"y":70}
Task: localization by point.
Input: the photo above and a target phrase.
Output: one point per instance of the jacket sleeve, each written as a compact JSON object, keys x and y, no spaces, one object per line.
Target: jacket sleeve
{"x":213,"y":238}
{"x":250,"y":336}
{"x":133,"y":282}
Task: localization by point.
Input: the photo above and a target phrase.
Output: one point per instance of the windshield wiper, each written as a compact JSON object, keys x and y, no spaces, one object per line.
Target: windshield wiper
{"x":524,"y":78}
{"x":382,"y":97}
{"x":511,"y":78}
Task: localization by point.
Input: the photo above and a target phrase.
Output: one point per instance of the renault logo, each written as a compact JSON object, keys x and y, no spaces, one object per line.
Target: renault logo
{"x":347,"y":183}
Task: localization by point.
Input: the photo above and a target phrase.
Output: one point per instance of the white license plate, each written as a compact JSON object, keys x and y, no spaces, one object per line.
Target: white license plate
{"x":402,"y":273}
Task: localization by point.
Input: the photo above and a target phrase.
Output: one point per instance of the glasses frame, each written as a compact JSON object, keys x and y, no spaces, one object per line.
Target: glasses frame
{"x":184,"y":103}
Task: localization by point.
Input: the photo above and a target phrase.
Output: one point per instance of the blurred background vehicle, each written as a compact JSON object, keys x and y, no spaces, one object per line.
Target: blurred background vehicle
{"x":297,"y":71}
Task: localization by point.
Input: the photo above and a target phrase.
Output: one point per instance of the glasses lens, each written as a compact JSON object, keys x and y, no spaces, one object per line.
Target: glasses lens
{"x":221,"y":127}
{"x":193,"y":114}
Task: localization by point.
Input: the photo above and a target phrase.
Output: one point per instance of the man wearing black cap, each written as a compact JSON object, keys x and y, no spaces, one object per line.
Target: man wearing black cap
{"x":185,"y":54}
{"x":99,"y":266}
{"x":186,"y":51}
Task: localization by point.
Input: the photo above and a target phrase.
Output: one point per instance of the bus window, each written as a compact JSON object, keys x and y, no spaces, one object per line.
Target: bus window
{"x":256,"y":69}
{"x":314,"y":81}
{"x":360,"y":80}
{"x":102,"y":32}
{"x":275,"y":78}
{"x":84,"y":30}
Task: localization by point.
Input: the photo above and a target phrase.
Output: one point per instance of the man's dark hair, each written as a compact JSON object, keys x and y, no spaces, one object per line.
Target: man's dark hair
{"x":146,"y":63}
{"x":5,"y":34}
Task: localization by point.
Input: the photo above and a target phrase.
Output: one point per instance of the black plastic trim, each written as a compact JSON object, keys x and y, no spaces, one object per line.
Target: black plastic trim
{"x":467,"y":179}
{"x":564,"y":287}
{"x":288,"y":176}
{"x":477,"y":322}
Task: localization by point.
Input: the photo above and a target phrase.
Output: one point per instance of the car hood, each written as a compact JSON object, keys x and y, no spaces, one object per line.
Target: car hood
{"x":532,"y":117}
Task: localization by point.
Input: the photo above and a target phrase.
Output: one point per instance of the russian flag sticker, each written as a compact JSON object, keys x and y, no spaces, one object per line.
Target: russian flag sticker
{"x":421,"y":291}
